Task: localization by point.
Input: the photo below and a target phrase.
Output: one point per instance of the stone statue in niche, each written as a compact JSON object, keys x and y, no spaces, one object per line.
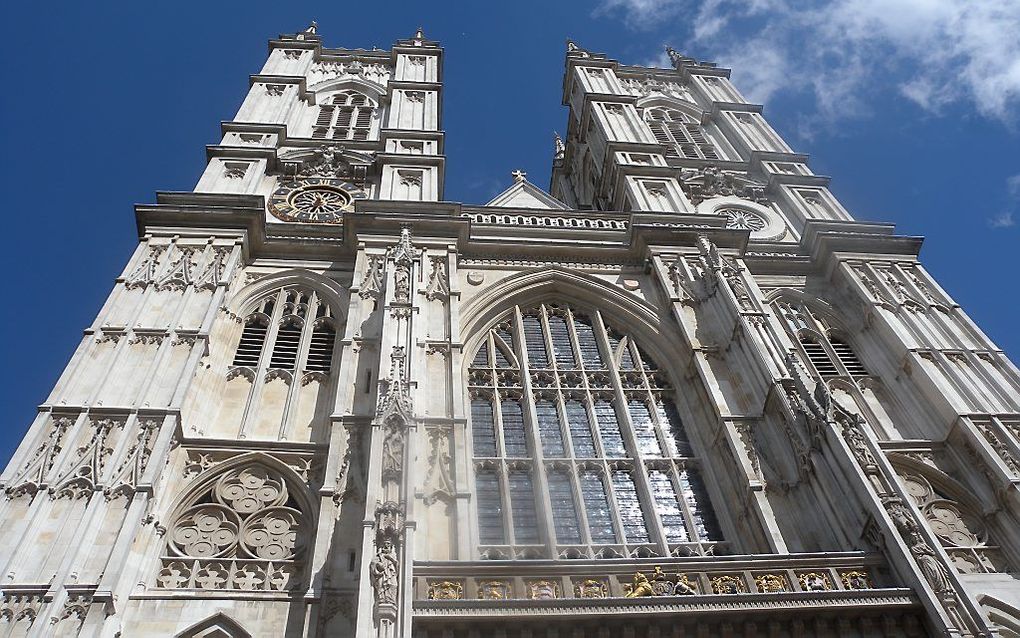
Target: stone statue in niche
{"x":384,"y":570}
{"x":393,"y":452}
{"x":402,"y":285}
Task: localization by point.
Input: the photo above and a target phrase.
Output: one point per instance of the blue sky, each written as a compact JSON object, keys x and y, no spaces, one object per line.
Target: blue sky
{"x":912,"y":106}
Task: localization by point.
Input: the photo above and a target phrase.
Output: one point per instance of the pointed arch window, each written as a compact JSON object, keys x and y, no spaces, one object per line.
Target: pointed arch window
{"x":959,"y":528}
{"x":347,"y":115}
{"x":244,"y":530}
{"x":680,"y":133}
{"x":579,"y":448}
{"x":291,"y":330}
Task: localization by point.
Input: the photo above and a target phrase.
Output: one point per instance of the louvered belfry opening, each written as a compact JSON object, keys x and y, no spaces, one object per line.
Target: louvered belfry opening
{"x":680,"y":134}
{"x":546,"y":418}
{"x":818,"y":357}
{"x":847,"y":356}
{"x":347,"y":116}
{"x":297,"y":328}
{"x":253,"y":339}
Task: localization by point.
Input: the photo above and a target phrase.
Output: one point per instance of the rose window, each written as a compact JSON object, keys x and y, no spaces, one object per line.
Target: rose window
{"x":245,"y":531}
{"x":740,"y":219}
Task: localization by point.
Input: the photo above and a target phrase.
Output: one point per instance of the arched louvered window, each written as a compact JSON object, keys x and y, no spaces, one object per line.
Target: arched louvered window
{"x":818,"y":356}
{"x":681,"y":134}
{"x":345,"y":116}
{"x":548,"y":426}
{"x":295,"y":327}
{"x":847,"y":356}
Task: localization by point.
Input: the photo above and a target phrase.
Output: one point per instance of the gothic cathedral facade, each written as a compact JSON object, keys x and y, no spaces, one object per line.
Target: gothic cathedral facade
{"x":681,"y":393}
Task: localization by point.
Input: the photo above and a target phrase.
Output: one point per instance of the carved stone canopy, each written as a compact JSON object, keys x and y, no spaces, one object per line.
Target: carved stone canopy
{"x":328,"y":161}
{"x":711,"y":181}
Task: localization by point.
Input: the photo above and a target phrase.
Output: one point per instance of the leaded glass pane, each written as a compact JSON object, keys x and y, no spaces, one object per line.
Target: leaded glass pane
{"x":549,"y":429}
{"x":515,"y":440}
{"x":668,"y":507}
{"x":590,"y":355}
{"x":697,"y":502}
{"x":522,"y":503}
{"x":631,"y":517}
{"x":596,"y":507}
{"x":507,"y":337}
{"x":670,"y":420}
{"x":609,"y":430}
{"x":534,"y":339}
{"x":644,"y":428}
{"x":483,"y":431}
{"x":501,"y":359}
{"x":580,"y":430}
{"x":562,"y":349}
{"x":490,"y":508}
{"x":481,"y":359}
{"x":564,"y":512}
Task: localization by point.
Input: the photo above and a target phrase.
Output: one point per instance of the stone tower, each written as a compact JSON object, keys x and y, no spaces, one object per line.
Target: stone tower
{"x":683,"y":393}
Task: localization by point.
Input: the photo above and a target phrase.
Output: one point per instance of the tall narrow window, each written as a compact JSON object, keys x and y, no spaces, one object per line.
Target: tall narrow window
{"x":515,"y":441}
{"x":490,"y":508}
{"x":580,"y":430}
{"x":253,"y":339}
{"x":288,"y":339}
{"x":596,"y":506}
{"x":346,"y":116}
{"x":320,"y":350}
{"x":564,"y":513}
{"x":631,"y":517}
{"x":483,"y":431}
{"x":603,"y":451}
{"x":522,"y":504}
{"x":549,"y":429}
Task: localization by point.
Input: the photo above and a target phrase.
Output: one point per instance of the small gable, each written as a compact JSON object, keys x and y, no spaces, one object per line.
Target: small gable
{"x":524,"y":194}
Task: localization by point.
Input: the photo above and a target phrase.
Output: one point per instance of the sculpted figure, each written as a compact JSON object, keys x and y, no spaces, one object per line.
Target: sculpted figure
{"x":640,"y":586}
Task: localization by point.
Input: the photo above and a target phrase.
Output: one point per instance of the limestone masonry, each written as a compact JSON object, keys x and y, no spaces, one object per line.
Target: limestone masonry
{"x":682,"y":393}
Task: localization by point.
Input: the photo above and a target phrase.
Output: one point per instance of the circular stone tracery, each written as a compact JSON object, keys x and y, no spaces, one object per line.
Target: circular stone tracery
{"x":741,"y":219}
{"x":244,"y":514}
{"x":320,"y":199}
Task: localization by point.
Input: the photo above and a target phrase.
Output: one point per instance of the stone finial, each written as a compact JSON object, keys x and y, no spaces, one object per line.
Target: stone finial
{"x":558,"y":147}
{"x":519,"y":175}
{"x":313,"y":28}
{"x":419,"y":34}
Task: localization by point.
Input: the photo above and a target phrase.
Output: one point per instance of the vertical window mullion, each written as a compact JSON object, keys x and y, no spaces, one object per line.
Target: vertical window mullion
{"x":540,"y":485}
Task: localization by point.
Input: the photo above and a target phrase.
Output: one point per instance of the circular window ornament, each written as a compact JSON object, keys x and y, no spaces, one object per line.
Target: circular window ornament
{"x":764,"y":224}
{"x":317,"y":201}
{"x":740,"y":219}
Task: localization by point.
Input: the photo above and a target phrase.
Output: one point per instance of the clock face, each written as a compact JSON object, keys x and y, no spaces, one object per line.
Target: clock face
{"x":316,"y":200}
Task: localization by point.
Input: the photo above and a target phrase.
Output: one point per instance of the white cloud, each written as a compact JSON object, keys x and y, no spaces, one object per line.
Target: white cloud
{"x":1013,"y":186}
{"x":1005,"y":219}
{"x":932,"y":52}
{"x":1002,"y":220}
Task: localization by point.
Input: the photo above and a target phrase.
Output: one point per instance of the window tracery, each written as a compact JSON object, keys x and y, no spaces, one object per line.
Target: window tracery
{"x":347,"y":116}
{"x":824,"y":345}
{"x":960,"y":530}
{"x":681,"y":134}
{"x":567,"y":412}
{"x":244,"y":531}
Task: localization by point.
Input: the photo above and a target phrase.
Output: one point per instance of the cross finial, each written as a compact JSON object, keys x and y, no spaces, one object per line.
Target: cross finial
{"x":519,"y":175}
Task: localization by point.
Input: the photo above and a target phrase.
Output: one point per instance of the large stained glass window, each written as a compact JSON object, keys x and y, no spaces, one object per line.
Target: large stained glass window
{"x":579,"y":448}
